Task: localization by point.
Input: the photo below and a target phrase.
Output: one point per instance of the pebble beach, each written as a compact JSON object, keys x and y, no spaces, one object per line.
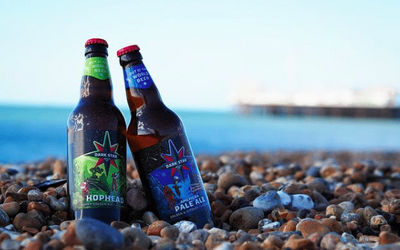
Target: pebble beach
{"x":281,"y":200}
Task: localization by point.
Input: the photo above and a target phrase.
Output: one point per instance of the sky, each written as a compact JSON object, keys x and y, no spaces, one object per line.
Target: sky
{"x":200,"y":52}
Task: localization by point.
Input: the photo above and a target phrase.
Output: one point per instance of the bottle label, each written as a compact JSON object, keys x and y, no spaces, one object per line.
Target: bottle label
{"x":173,"y":178}
{"x":97,"y":67}
{"x":137,"y":77}
{"x":98,"y":176}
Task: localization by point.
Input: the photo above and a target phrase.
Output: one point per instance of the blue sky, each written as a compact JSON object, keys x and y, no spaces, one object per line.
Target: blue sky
{"x":199,"y":52}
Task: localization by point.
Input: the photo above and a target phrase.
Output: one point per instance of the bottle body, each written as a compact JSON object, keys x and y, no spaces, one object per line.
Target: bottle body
{"x":162,"y":152}
{"x":96,"y":149}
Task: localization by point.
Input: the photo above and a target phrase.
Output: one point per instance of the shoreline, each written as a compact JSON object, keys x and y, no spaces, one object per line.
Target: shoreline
{"x":297,"y":200}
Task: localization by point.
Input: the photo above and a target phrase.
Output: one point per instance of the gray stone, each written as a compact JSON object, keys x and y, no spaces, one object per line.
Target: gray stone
{"x":347,"y":206}
{"x":185,"y":226}
{"x":35,"y":195}
{"x":348,"y":238}
{"x":219,"y":233}
{"x":8,"y":244}
{"x":229,"y":179}
{"x":149,"y":217}
{"x":154,"y":239}
{"x":348,"y":217}
{"x":136,"y":199}
{"x":95,"y":234}
{"x":4,"y":219}
{"x":330,"y":240}
{"x":199,"y":234}
{"x":271,"y":225}
{"x":246,"y":218}
{"x":301,"y":201}
{"x":184,"y":238}
{"x":58,"y":204}
{"x":285,"y":198}
{"x":135,"y":237}
{"x":224,"y":246}
{"x":267,"y":201}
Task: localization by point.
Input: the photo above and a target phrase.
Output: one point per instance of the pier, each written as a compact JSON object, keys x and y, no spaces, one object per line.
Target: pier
{"x":367,"y":103}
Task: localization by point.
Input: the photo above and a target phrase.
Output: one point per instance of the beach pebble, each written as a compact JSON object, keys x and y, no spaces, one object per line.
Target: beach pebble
{"x":94,"y":234}
{"x":313,"y":171}
{"x":27,"y":220}
{"x":4,"y":218}
{"x":328,"y":171}
{"x":320,"y":202}
{"x":185,"y":226}
{"x":170,"y":232}
{"x":134,"y":237}
{"x":223,"y":246}
{"x":334,"y":210}
{"x":332,"y":224}
{"x":347,"y":206}
{"x":266,"y":224}
{"x":199,"y":234}
{"x":165,"y":244}
{"x":272,"y":242}
{"x":309,"y":226}
{"x":377,"y":221}
{"x":154,"y":239}
{"x":388,"y":238}
{"x":39,"y":206}
{"x":246,"y":218}
{"x":58,"y":204}
{"x":297,"y":244}
{"x":267,"y":201}
{"x":136,"y":199}
{"x":348,"y":238}
{"x":348,"y":217}
{"x":256,"y":177}
{"x":198,"y":245}
{"x":155,"y":227}
{"x":367,"y":213}
{"x":301,"y":201}
{"x":35,"y":195}
{"x":209,"y":165}
{"x":9,"y":244}
{"x":54,"y":244}
{"x":149,"y":217}
{"x":330,"y":240}
{"x":285,"y":198}
{"x":219,"y":233}
{"x":119,"y":224}
{"x":11,"y":208}
{"x":228,"y":179}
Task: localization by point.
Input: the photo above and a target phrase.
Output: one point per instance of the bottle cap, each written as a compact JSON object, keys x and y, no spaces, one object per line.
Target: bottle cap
{"x":127,"y":49}
{"x":96,"y":41}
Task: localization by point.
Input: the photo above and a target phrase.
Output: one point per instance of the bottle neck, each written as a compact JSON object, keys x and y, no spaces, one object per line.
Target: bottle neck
{"x":140,"y":88}
{"x":96,"y":81}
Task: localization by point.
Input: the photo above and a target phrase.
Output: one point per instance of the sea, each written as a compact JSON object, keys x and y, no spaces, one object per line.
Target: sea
{"x":34,"y":133}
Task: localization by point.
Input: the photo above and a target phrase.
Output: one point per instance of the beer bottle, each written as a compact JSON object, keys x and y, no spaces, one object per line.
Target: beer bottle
{"x":96,"y":142}
{"x":160,"y":148}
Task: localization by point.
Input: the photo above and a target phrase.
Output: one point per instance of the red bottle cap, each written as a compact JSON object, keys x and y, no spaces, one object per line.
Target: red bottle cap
{"x":127,"y":49}
{"x":96,"y":41}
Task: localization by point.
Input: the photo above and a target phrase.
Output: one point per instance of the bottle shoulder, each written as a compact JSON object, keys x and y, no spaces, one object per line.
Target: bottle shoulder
{"x":159,"y":120}
{"x":96,"y":115}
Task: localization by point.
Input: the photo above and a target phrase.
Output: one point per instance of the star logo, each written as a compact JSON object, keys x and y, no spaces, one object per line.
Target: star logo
{"x":175,"y":160}
{"x":106,"y":153}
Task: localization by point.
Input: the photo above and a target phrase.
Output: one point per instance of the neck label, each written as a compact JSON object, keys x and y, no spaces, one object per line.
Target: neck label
{"x":97,"y":67}
{"x":137,"y":77}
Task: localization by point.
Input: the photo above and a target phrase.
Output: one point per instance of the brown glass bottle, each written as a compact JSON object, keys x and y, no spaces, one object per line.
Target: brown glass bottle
{"x":96,"y":143}
{"x":160,"y":148}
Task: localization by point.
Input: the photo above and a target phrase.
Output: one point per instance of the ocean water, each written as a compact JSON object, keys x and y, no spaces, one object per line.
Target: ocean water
{"x":35,"y":133}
